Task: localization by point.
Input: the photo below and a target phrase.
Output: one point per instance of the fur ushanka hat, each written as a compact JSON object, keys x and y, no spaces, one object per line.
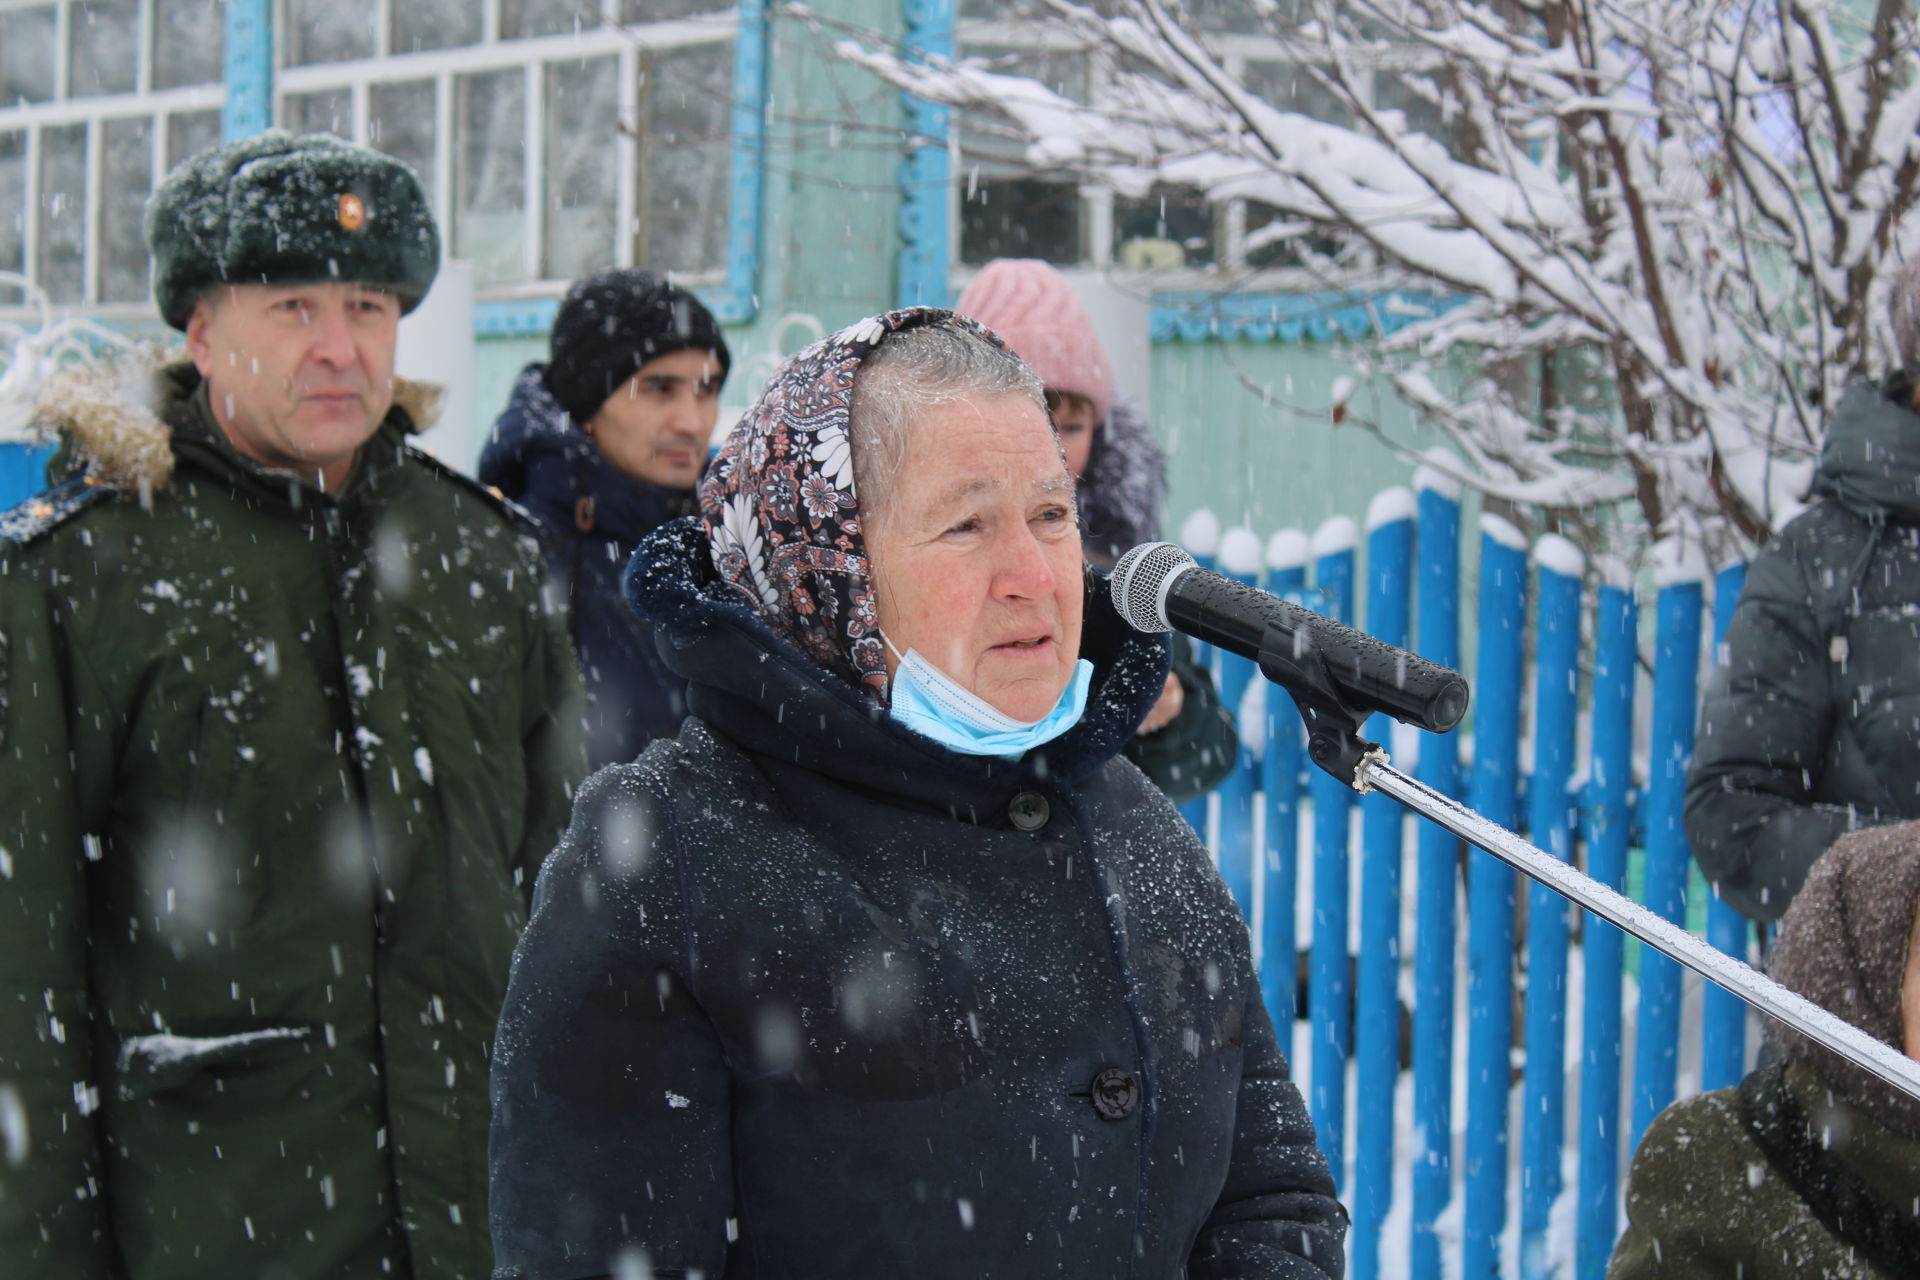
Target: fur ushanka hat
{"x":279,"y":209}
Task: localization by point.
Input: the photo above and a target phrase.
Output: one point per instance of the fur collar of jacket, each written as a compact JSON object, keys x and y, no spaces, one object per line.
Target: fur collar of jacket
{"x":114,"y":417}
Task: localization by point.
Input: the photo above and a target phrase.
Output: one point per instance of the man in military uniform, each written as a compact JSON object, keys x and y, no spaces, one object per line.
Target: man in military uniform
{"x":287,"y":723}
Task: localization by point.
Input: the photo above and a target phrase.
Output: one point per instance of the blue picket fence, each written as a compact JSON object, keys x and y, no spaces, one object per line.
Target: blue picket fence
{"x":1552,"y":656}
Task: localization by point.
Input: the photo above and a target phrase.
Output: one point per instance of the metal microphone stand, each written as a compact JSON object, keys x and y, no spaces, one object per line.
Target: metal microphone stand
{"x":1334,"y":743}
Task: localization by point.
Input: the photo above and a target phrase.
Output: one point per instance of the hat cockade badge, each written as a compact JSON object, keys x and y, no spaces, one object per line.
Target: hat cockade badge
{"x":353,"y":212}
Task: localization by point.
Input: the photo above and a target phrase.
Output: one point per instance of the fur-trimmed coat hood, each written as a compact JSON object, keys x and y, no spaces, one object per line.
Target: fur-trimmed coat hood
{"x":116,"y":420}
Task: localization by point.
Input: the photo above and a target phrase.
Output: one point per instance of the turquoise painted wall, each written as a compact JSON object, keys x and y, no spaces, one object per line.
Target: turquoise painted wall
{"x":1247,"y":432}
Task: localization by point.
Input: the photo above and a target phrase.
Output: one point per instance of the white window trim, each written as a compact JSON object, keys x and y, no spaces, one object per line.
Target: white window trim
{"x":1097,"y":200}
{"x":532,"y":55}
{"x":93,"y":111}
{"x":626,"y":43}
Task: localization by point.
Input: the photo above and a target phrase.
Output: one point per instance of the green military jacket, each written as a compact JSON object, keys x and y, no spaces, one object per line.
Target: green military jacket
{"x":1711,"y":1198}
{"x":277,"y":770}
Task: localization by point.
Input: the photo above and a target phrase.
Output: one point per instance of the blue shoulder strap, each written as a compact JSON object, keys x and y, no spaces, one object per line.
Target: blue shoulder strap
{"x":49,"y":509}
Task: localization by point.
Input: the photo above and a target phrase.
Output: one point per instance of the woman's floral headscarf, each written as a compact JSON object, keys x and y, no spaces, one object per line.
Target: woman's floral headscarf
{"x":781,"y":509}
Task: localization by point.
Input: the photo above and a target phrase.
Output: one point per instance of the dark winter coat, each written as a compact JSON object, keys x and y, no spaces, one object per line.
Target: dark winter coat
{"x":591,"y":515}
{"x":276,"y":771}
{"x":1775,"y":1180}
{"x":1812,"y":726}
{"x":806,"y":995}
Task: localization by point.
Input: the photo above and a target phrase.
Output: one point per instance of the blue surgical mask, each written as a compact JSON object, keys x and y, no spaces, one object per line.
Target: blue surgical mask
{"x":931,"y":703}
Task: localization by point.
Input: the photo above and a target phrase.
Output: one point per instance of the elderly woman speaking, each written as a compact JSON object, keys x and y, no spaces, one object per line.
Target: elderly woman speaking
{"x":887,"y":966}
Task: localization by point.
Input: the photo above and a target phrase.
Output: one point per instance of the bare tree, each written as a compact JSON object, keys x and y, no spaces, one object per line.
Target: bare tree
{"x":1691,"y":200}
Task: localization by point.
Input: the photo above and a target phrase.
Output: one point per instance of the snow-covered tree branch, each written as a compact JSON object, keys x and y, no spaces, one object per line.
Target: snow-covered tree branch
{"x":1690,"y":200}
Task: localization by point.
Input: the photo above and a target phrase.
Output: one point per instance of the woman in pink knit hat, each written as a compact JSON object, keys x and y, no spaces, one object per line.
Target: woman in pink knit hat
{"x":1188,"y":742}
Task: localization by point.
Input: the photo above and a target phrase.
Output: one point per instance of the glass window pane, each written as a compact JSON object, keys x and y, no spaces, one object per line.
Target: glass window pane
{"x":582,"y":101}
{"x":328,"y":111}
{"x":126,"y":178}
{"x":686,"y":152}
{"x":632,"y":11}
{"x":1239,"y":17}
{"x":60,"y":267}
{"x":400,"y":123}
{"x":1425,"y":108}
{"x":189,"y":42}
{"x":13,"y":208}
{"x":26,"y":56}
{"x":1016,"y":10}
{"x":435,"y":24}
{"x":328,"y":30}
{"x":1276,"y":240}
{"x":1007,"y":211}
{"x":1295,"y":88}
{"x":1020,"y":218}
{"x":490,"y":177}
{"x":191,"y":132}
{"x":1169,"y":227}
{"x":105,"y":38}
{"x":522,"y":18}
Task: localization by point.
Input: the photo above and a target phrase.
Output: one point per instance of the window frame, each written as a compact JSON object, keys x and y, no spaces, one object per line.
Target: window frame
{"x":525,"y":307}
{"x":155,"y":106}
{"x":1097,"y":200}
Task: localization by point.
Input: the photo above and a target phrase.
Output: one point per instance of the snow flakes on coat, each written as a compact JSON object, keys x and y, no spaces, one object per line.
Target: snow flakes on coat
{"x":782,"y":510}
{"x":1843,"y":945}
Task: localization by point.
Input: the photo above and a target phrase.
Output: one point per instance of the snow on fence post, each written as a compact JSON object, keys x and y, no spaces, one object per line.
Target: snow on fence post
{"x":1241,"y":558}
{"x":1200,"y":535}
{"x":1676,"y":669}
{"x":1333,"y":550}
{"x":1723,"y":1032}
{"x":1282,"y":756}
{"x":1437,"y":615}
{"x":1490,"y":893}
{"x":1376,"y":1034}
{"x":1616,"y":654}
{"x":1556,"y":709}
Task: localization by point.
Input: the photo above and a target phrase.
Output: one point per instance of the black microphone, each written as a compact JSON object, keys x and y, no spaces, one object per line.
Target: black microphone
{"x":1158,"y":587}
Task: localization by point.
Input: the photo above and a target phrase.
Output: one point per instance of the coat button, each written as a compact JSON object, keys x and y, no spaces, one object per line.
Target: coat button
{"x":1115,"y":1094}
{"x":1029,"y":811}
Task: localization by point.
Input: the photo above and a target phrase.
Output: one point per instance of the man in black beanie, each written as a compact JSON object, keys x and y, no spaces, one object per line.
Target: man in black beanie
{"x":603,"y":443}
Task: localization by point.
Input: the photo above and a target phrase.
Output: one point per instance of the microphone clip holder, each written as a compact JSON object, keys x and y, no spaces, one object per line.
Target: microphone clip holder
{"x":1333,"y":723}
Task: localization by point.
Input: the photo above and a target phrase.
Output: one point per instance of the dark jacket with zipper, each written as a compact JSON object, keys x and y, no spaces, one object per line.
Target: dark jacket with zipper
{"x":1811,"y":726}
{"x":807,"y":995}
{"x":277,"y":768}
{"x":591,"y":515}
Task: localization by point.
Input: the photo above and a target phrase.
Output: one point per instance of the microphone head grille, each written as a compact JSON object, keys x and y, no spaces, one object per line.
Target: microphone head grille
{"x":1140,"y":581}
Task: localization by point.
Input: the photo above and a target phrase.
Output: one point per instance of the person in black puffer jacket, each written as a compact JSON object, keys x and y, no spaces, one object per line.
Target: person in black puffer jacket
{"x":604,"y":443}
{"x":886,"y":965}
{"x":1811,"y":727}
